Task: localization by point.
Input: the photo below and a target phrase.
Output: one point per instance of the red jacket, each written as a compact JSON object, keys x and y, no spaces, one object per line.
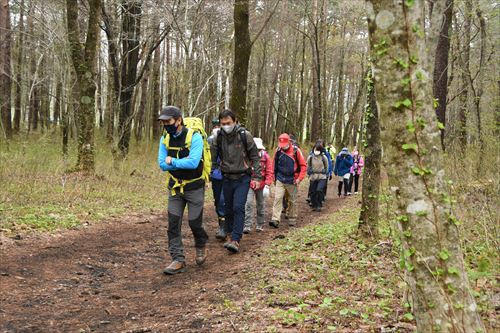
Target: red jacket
{"x":266,"y":166}
{"x":299,"y":161}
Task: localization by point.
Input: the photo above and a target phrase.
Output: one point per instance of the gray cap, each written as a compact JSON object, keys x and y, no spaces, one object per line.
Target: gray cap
{"x":169,"y":112}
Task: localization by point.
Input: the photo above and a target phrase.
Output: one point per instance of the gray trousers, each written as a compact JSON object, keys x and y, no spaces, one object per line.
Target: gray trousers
{"x":176,"y":203}
{"x":249,"y":216}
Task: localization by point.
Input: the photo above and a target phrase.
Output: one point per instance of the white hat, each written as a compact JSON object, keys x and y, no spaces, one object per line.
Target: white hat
{"x":258,"y":143}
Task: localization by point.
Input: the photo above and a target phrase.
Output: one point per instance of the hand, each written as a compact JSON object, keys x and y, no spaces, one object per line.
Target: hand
{"x":168,"y":160}
{"x":257,"y":183}
{"x":297,"y":182}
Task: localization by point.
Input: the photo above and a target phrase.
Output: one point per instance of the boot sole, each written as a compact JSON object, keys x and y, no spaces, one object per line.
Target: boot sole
{"x":199,"y":263}
{"x":182,"y":270}
{"x":232,"y":249}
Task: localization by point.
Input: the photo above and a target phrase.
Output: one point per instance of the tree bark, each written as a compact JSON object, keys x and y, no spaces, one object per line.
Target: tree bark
{"x":242,"y":50}
{"x":19,"y":71}
{"x":368,"y":218}
{"x":442,"y":299}
{"x":339,"y":119}
{"x":131,"y":27}
{"x":5,"y":79}
{"x":440,"y":85}
{"x":464,"y":77}
{"x":155,"y":81}
{"x":83,"y":59}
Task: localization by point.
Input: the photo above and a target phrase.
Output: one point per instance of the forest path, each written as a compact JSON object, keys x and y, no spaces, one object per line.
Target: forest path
{"x":108,"y":277}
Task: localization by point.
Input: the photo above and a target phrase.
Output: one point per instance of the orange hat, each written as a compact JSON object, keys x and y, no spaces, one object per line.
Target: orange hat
{"x":283,"y":140}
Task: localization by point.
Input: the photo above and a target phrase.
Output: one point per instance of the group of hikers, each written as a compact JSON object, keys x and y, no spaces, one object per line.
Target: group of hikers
{"x":241,"y":173}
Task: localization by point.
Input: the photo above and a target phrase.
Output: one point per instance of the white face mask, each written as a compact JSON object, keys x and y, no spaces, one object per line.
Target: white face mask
{"x":215,"y":131}
{"x":228,"y":128}
{"x":317,"y":152}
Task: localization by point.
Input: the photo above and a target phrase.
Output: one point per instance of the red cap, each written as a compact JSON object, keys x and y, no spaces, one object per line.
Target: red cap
{"x":283,"y":140}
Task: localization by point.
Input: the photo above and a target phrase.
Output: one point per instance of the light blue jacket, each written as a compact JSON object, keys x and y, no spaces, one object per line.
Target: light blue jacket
{"x":191,"y":162}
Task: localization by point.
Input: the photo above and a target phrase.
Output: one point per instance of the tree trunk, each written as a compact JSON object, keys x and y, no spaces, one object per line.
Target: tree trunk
{"x":339,"y":119}
{"x":440,"y":86}
{"x":155,"y":81}
{"x":316,"y":122}
{"x":19,"y":67}
{"x":368,"y":218}
{"x":442,"y":299}
{"x":83,"y":59}
{"x":5,"y":81}
{"x":242,"y":50}
{"x":464,"y":77}
{"x":354,"y":116}
{"x":131,"y":27}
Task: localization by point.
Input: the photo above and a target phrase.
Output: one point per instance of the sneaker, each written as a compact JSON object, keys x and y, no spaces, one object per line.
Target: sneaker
{"x":349,"y":193}
{"x":246,"y":230}
{"x":232,"y":246}
{"x":355,"y":192}
{"x":175,"y":267}
{"x":259,"y":228}
{"x":274,"y":224}
{"x":201,"y":255}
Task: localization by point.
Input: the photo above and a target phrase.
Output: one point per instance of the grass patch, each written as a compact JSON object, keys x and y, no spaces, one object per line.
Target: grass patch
{"x":37,"y":192}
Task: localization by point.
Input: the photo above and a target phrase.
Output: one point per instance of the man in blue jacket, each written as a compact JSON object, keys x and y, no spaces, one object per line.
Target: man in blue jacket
{"x":342,"y":169}
{"x":184,"y":165}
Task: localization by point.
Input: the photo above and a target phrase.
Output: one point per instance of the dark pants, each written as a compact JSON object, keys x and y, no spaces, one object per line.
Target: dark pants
{"x":354,"y":178}
{"x":194,"y":200}
{"x":344,"y":183}
{"x":235,"y":198}
{"x":318,"y":194}
{"x":218,"y":196}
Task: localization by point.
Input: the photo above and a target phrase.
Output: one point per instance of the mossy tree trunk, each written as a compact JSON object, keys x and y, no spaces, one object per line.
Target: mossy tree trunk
{"x":372,"y":151}
{"x":84,"y":63}
{"x":442,"y":300}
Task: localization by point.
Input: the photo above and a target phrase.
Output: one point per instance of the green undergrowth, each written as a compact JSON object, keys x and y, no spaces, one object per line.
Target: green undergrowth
{"x":39,"y":192}
{"x":320,"y":278}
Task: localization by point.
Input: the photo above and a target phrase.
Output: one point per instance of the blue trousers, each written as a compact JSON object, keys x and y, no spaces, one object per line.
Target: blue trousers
{"x":218,"y":196}
{"x":235,"y":197}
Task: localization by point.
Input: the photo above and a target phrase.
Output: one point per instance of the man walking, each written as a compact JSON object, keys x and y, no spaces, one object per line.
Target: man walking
{"x":289,"y":170}
{"x":238,"y":154}
{"x":180,"y":154}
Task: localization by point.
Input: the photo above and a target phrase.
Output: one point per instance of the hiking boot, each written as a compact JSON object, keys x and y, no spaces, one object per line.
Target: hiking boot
{"x":221,"y":233}
{"x":356,"y":193}
{"x":274,"y":224}
{"x":201,"y":255}
{"x":232,"y":246}
{"x":259,"y":228}
{"x":246,"y":230}
{"x":175,"y":267}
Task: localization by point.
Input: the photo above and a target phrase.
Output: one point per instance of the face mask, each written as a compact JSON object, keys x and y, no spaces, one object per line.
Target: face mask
{"x":317,"y":152}
{"x":215,"y":131}
{"x":228,"y":128}
{"x":261,"y":153}
{"x":286,"y":147}
{"x":171,"y":129}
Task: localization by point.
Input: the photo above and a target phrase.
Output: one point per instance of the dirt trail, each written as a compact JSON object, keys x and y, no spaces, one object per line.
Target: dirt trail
{"x":108,"y":277}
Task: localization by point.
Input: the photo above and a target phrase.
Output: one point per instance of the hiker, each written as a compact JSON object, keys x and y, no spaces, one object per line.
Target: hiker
{"x":331,"y":150}
{"x":181,"y":155}
{"x":356,"y":170}
{"x":286,"y":197}
{"x":317,"y":170}
{"x":238,"y":154}
{"x":216,"y":180}
{"x":325,"y":152}
{"x":289,"y":170}
{"x":342,"y":169}
{"x":259,"y":193}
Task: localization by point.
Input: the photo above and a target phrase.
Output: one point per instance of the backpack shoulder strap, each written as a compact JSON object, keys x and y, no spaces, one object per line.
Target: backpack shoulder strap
{"x":189,"y":138}
{"x":243,"y":138}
